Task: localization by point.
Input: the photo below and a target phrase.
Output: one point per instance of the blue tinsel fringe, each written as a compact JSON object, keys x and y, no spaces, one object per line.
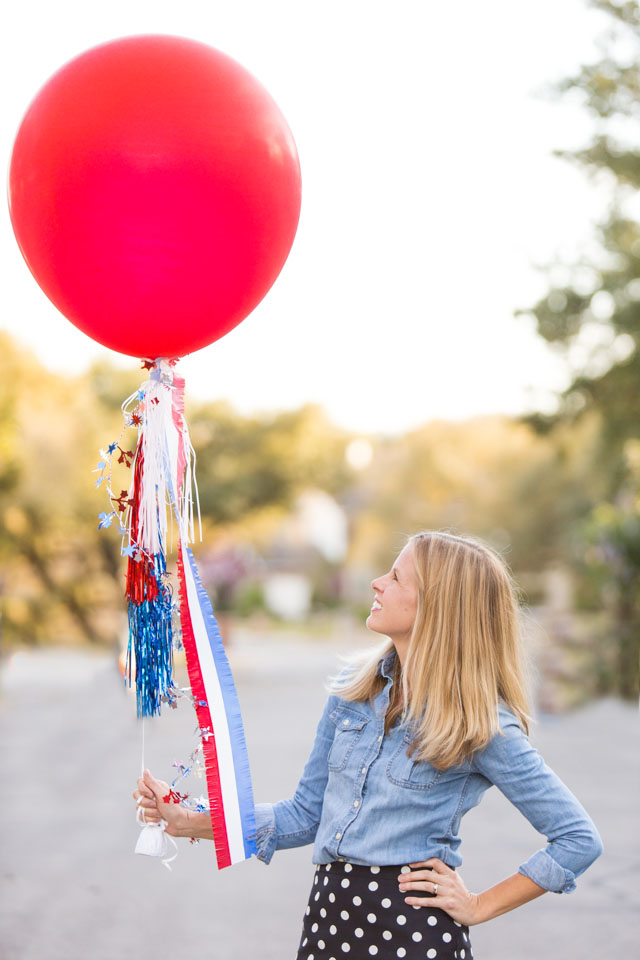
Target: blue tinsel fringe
{"x":150,"y":637}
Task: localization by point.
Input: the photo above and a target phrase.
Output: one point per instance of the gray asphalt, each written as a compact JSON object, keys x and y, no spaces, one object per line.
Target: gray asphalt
{"x":71,"y":886}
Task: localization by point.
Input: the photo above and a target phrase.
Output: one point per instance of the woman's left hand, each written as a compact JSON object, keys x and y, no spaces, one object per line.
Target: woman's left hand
{"x":452,"y":896}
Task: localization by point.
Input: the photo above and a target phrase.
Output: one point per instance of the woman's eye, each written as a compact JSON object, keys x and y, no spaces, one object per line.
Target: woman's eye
{"x":395,"y":576}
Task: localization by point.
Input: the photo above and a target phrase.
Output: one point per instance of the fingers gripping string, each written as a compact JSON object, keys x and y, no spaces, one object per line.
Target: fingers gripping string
{"x":153,"y":840}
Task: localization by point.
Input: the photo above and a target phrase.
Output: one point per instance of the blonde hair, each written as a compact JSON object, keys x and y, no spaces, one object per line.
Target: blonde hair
{"x":465,"y":653}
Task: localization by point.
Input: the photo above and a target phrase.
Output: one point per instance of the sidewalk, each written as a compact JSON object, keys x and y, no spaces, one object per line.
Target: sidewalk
{"x":71,"y":887}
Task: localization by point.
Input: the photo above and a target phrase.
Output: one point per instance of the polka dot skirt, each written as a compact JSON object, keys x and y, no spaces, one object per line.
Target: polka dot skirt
{"x":358,"y":912}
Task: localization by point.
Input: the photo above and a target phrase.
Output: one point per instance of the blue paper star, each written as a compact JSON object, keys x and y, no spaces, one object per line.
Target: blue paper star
{"x":105,"y":520}
{"x":112,"y":447}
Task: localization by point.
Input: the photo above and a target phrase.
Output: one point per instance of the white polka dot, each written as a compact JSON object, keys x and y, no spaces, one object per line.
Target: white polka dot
{"x":446,"y":937}
{"x":321,"y":944}
{"x":357,"y":901}
{"x":305,"y":941}
{"x":314,"y":928}
{"x":417,"y":936}
{"x":308,"y":911}
{"x":462,"y":953}
{"x":332,"y":898}
{"x":326,"y":881}
{"x":317,"y":896}
{"x":346,"y":947}
{"x":333,"y":929}
{"x":386,"y":902}
{"x":323,"y":912}
{"x":405,"y":870}
{"x":401,"y":952}
{"x":414,"y":906}
{"x":344,"y":914}
{"x":345,"y":882}
{"x":373,"y":885}
{"x":387,"y":934}
{"x":348,"y":868}
{"x":371,"y":917}
{"x":431,"y":953}
{"x":431,"y":920}
{"x":457,"y":924}
{"x":374,"y":869}
{"x":401,"y":919}
{"x":310,"y":956}
{"x":327,"y":866}
{"x":373,"y":950}
{"x":315,"y":880}
{"x":465,"y":936}
{"x":359,"y":932}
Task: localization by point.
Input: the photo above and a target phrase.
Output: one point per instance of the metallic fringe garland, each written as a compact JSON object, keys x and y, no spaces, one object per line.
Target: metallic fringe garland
{"x":150,"y":603}
{"x":150,"y":641}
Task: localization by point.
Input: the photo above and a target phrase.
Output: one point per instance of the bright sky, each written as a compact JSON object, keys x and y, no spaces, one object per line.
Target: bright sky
{"x":429,"y":194}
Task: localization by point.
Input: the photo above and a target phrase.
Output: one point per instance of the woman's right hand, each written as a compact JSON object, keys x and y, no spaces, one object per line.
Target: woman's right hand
{"x":149,"y":796}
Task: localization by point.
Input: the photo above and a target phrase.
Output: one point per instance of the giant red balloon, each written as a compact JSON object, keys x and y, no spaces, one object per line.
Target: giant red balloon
{"x":154,"y":191}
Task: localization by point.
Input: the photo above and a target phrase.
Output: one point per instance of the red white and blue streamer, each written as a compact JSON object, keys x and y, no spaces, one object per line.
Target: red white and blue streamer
{"x":218,"y":711}
{"x":161,"y":496}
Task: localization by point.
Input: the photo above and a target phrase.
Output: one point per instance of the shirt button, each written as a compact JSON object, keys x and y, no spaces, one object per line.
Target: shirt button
{"x":338,"y":835}
{"x":364,"y":770}
{"x":346,"y":722}
{"x":379,"y":739}
{"x":356,"y":803}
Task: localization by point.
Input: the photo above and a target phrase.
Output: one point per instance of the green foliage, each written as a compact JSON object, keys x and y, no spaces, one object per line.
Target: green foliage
{"x":597,"y":324}
{"x":246,"y":464}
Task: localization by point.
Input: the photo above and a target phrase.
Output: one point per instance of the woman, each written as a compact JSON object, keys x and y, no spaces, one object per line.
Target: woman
{"x":409,"y":740}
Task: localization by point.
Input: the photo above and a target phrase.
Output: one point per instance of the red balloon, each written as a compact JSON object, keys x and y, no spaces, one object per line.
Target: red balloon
{"x":154,"y":191}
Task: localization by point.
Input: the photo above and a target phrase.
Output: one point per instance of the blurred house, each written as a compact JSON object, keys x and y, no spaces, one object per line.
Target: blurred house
{"x":302,"y":558}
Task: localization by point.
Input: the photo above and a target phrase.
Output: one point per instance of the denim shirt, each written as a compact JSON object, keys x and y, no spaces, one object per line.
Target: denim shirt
{"x":363,"y":800}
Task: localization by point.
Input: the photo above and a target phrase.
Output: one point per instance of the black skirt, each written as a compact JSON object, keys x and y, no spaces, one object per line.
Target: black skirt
{"x":358,"y":912}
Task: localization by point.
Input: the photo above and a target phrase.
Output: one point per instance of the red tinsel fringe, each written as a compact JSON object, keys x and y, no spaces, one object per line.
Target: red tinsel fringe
{"x":142,"y":583}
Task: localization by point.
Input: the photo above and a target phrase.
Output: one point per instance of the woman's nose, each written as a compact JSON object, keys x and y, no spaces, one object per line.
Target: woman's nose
{"x":376,"y":585}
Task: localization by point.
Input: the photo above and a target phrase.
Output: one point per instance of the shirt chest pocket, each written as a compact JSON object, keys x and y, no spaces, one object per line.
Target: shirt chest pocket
{"x":403,"y":771}
{"x":350,"y":727}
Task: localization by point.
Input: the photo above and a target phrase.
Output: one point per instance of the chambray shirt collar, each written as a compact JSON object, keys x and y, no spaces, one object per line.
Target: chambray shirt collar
{"x":386,"y":664}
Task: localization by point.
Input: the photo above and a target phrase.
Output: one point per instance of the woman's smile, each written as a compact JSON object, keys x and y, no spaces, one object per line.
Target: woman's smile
{"x":395,"y":596}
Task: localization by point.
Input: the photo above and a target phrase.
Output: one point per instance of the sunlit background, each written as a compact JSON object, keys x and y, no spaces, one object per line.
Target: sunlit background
{"x":452,"y":344}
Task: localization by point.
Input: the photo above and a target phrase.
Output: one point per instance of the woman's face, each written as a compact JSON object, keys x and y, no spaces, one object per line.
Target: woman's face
{"x":396,"y":599}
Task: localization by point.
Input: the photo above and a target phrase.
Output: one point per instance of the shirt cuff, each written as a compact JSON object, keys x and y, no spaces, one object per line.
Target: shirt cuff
{"x":548,"y":873}
{"x":265,"y":831}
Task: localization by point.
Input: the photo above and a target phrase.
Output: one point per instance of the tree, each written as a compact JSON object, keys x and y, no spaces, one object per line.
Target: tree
{"x":594,"y":318}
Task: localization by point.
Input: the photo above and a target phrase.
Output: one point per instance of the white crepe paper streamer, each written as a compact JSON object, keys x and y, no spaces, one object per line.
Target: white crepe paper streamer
{"x":160,"y":439}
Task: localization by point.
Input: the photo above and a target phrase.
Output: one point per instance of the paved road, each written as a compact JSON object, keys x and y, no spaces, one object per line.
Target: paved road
{"x":71,"y":887}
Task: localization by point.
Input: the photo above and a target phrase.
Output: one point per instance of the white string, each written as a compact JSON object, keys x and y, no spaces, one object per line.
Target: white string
{"x":142,"y":760}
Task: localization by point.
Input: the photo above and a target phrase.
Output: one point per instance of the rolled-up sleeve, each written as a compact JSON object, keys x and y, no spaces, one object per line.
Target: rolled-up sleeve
{"x":295,"y":822}
{"x":520,"y":773}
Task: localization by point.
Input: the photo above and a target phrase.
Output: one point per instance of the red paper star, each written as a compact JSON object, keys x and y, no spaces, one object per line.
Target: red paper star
{"x":174,"y":797}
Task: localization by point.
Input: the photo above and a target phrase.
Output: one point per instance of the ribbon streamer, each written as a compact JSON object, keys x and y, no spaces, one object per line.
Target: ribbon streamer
{"x":161,"y":494}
